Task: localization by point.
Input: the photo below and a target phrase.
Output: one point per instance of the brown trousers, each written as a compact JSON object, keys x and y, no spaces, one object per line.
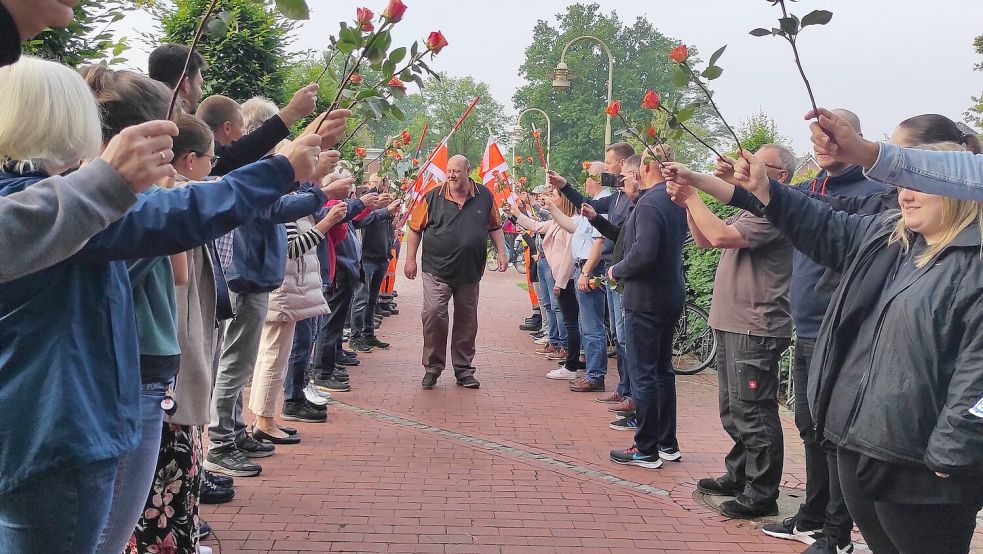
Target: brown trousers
{"x":437,"y":295}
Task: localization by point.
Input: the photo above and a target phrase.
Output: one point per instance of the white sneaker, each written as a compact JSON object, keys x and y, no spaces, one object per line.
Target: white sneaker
{"x":315,"y":396}
{"x":202,"y":549}
{"x":542,"y":341}
{"x":562,"y":374}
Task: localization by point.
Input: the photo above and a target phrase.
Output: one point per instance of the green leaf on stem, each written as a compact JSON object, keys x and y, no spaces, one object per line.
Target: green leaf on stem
{"x":406,"y":75}
{"x":712,"y":72}
{"x":367,"y":93}
{"x":716,"y":56}
{"x":418,"y":80}
{"x":817,"y":17}
{"x":376,"y":107}
{"x":293,"y":9}
{"x":415,"y":49}
{"x":388,"y":69}
{"x":346,"y":47}
{"x":679,"y":76}
{"x":347,"y":35}
{"x":349,"y":93}
{"x":759,"y":32}
{"x":397,"y":55}
{"x":686,"y":113}
{"x":789,"y":25}
{"x":621,"y":132}
{"x":397,"y":113}
{"x":397,"y":92}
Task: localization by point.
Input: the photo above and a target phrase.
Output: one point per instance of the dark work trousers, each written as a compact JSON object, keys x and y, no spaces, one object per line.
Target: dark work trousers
{"x":570,"y":312}
{"x":747,"y":372}
{"x":367,"y":299}
{"x":305,"y":333}
{"x":333,"y":325}
{"x":891,"y":528}
{"x":437,"y":294}
{"x":649,"y":359}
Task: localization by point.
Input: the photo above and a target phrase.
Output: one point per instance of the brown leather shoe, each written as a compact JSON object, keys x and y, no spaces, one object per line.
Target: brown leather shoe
{"x":544,"y":349}
{"x":583,"y":385}
{"x":558,"y":354}
{"x":610,"y":398}
{"x":578,"y":381}
{"x":626,"y":405}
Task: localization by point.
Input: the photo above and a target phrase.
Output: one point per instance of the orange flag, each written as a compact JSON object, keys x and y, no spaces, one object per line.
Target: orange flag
{"x":493,"y":164}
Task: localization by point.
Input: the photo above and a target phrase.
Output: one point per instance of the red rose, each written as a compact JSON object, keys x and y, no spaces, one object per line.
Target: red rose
{"x":394,"y":11}
{"x":416,"y":162}
{"x":355,"y":79}
{"x":518,"y":160}
{"x":613,"y":109}
{"x":522,"y":180}
{"x":396,"y":83}
{"x":651,"y":100}
{"x":436,"y":42}
{"x":530,"y":159}
{"x":406,"y":137}
{"x":679,"y":54}
{"x":363,"y":16}
{"x":360,"y":152}
{"x":652,"y":133}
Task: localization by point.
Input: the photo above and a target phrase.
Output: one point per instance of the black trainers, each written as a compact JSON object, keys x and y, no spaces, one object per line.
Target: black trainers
{"x":374,"y":342}
{"x":718,"y":486}
{"x":741,"y":508}
{"x":824,"y":545}
{"x":625,"y":424}
{"x":789,"y":531}
{"x":213,"y":494}
{"x":230,"y":461}
{"x":340,"y":374}
{"x":468,"y":382}
{"x":303,"y":411}
{"x":346,"y":360}
{"x":204,"y":530}
{"x":332,"y":385}
{"x":252,"y":448}
{"x":429,"y":381}
{"x":220,"y":480}
{"x":632,"y":457}
{"x":358,"y":345}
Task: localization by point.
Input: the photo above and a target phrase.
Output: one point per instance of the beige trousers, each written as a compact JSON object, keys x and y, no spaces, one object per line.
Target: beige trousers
{"x":271,"y":367}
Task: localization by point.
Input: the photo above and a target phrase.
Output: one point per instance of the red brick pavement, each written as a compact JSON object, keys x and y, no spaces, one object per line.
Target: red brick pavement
{"x":518,"y":466}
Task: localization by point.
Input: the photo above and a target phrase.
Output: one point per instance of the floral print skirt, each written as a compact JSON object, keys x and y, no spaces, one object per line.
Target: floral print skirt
{"x":169,"y":524}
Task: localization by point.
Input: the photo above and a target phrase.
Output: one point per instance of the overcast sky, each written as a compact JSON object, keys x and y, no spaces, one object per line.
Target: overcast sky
{"x":884,"y":59}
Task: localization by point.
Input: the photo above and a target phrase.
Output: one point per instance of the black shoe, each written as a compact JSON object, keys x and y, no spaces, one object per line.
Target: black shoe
{"x":220,"y":480}
{"x":534,"y":323}
{"x":741,"y":508}
{"x":212,"y":494}
{"x":204,"y":530}
{"x":288,"y":430}
{"x":391,"y":308}
{"x":231,"y":462}
{"x":342,"y":359}
{"x":253,"y":448}
{"x":379,"y":310}
{"x":341,"y":374}
{"x":263,"y":436}
{"x":718,"y":486}
{"x":789,"y":531}
{"x":349,"y":353}
{"x":824,"y":545}
{"x":395,"y":294}
{"x":468,"y":382}
{"x":531,"y":328}
{"x":374,"y":342}
{"x":538,"y":334}
{"x":358,"y":345}
{"x":429,"y":380}
{"x":317,"y":407}
{"x":302,"y":411}
{"x":332,"y":385}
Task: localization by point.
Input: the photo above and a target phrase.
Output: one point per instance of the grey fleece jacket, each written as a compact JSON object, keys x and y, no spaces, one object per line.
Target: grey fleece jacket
{"x":54,"y":218}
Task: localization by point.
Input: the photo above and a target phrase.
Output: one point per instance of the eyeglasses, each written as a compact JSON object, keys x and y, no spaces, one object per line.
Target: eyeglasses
{"x":212,"y":159}
{"x":775,"y":167}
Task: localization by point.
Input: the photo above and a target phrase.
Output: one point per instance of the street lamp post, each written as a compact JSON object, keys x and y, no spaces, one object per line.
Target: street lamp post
{"x":517,"y":133}
{"x":561,"y":76}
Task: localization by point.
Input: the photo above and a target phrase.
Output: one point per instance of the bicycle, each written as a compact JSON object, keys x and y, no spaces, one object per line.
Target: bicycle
{"x":694,"y":344}
{"x":517,"y":258}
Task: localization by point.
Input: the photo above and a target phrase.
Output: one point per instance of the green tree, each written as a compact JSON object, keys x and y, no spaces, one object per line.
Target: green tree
{"x":975,"y":112}
{"x":641,"y":62}
{"x":701,"y":264}
{"x":446,"y":100}
{"x":249,"y":57}
{"x":88,"y":38}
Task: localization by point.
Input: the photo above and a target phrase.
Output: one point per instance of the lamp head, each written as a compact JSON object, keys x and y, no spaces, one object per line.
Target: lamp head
{"x":561,"y":77}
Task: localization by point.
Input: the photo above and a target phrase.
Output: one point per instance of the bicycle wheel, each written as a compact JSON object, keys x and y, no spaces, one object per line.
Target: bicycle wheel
{"x":491,"y":260}
{"x":693,"y":343}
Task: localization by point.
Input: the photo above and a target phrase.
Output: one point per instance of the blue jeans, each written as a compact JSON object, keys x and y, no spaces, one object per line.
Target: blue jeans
{"x":592,"y":334}
{"x":305,"y":333}
{"x":649,"y":350}
{"x":617,"y":316}
{"x":64,"y":509}
{"x":547,"y":300}
{"x":135,"y":473}
{"x":367,"y":298}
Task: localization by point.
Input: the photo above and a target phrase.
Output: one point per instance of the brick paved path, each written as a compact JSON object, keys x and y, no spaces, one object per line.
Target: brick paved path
{"x":518,"y":466}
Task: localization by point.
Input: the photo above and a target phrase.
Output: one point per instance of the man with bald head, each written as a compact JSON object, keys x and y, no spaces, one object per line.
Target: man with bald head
{"x":453,"y":221}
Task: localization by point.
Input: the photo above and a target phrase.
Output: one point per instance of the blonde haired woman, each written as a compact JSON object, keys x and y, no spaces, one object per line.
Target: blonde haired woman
{"x":898,"y":386}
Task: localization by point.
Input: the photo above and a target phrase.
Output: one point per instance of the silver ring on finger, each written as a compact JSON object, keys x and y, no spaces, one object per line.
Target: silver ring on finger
{"x":163,"y":156}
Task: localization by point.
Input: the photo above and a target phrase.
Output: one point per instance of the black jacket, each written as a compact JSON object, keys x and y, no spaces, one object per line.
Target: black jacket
{"x":9,"y":38}
{"x":913,"y":404}
{"x":652,"y":268}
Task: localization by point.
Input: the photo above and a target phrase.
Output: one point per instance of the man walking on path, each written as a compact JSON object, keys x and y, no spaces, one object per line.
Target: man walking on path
{"x":453,"y":221}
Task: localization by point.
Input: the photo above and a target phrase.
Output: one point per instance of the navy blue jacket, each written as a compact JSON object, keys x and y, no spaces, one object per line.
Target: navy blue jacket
{"x":810,"y":293}
{"x":69,"y":360}
{"x":259,"y":248}
{"x":376,"y":236}
{"x":652,"y":268}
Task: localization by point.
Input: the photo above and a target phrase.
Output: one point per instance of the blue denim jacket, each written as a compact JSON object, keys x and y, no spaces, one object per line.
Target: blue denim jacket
{"x":955,"y":174}
{"x":69,"y":360}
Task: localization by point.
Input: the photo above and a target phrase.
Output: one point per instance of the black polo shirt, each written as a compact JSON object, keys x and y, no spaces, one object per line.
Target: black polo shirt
{"x":455,"y":236}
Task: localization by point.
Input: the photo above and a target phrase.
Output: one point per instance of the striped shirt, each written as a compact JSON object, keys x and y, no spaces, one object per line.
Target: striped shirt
{"x":297,"y":244}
